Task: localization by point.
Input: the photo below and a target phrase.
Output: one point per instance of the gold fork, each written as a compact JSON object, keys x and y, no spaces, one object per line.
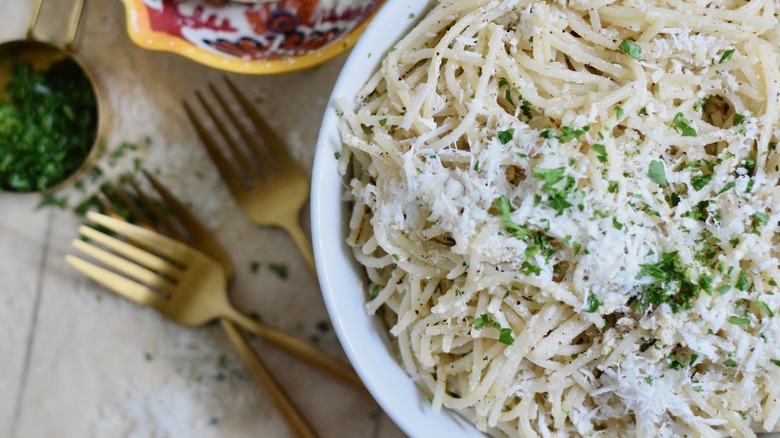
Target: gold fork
{"x":182,"y":284}
{"x":179,"y":223}
{"x":266,"y":182}
{"x":159,"y":272}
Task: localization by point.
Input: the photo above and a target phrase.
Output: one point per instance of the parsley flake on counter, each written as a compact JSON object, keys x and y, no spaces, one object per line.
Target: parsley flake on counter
{"x":279,"y":269}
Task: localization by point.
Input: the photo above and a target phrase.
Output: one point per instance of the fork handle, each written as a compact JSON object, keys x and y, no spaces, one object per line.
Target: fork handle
{"x":258,"y":370}
{"x":323,"y":362}
{"x":302,"y":242}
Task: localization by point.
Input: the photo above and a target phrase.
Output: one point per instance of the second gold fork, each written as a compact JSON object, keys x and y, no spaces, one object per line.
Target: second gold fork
{"x":266,"y":182}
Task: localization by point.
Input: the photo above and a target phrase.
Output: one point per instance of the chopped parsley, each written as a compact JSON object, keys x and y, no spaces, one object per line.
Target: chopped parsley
{"x":528,"y":268}
{"x":730,"y":363}
{"x":383,"y":122}
{"x":701,"y":103}
{"x":525,"y":108}
{"x":736,"y":320}
{"x":760,"y":218}
{"x":48,"y":125}
{"x":672,"y":283}
{"x":601,"y":152}
{"x":631,"y":49}
{"x":557,"y":195}
{"x":504,"y":209}
{"x":279,"y":269}
{"x":656,"y":173}
{"x":726,"y":56}
{"x":700,"y":181}
{"x":593,"y":303}
{"x":506,"y":136}
{"x":569,"y":133}
{"x":728,"y":186}
{"x":505,"y":336}
{"x":485,"y":320}
{"x":742,"y":282}
{"x":675,"y":363}
{"x":765,"y":308}
{"x":683,"y":125}
{"x":737,"y":119}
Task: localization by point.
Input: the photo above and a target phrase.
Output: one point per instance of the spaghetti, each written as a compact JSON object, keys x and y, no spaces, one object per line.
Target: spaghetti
{"x":568,"y":213}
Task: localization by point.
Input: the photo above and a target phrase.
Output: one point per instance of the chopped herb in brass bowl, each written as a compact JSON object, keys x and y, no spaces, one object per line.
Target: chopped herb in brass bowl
{"x":48,"y":125}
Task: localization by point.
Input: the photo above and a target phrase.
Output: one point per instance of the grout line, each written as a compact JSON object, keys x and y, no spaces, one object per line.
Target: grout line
{"x":31,"y":333}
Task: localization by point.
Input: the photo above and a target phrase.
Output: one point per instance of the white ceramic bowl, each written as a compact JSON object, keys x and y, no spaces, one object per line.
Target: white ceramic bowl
{"x":365,"y":338}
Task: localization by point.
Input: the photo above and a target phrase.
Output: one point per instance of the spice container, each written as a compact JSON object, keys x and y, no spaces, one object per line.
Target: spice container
{"x":49,"y":111}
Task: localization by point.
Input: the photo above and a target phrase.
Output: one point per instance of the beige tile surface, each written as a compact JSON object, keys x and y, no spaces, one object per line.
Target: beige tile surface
{"x":77,"y":361}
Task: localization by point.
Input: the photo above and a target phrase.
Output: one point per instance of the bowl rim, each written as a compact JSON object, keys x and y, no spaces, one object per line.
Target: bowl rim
{"x":141,"y":33}
{"x":337,"y":270}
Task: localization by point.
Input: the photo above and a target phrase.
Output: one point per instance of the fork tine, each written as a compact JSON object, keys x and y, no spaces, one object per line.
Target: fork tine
{"x":125,"y":267}
{"x":140,"y":217}
{"x":188,"y":221}
{"x":240,"y":158}
{"x":251,"y":141}
{"x":229,"y":174}
{"x":132,"y":252}
{"x":163,"y":219}
{"x":111,"y":208}
{"x":119,"y":284}
{"x":272,"y":139}
{"x":167,"y":247}
{"x":204,"y":239}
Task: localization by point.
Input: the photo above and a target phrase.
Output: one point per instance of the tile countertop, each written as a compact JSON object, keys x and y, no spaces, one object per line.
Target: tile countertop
{"x":77,"y":360}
